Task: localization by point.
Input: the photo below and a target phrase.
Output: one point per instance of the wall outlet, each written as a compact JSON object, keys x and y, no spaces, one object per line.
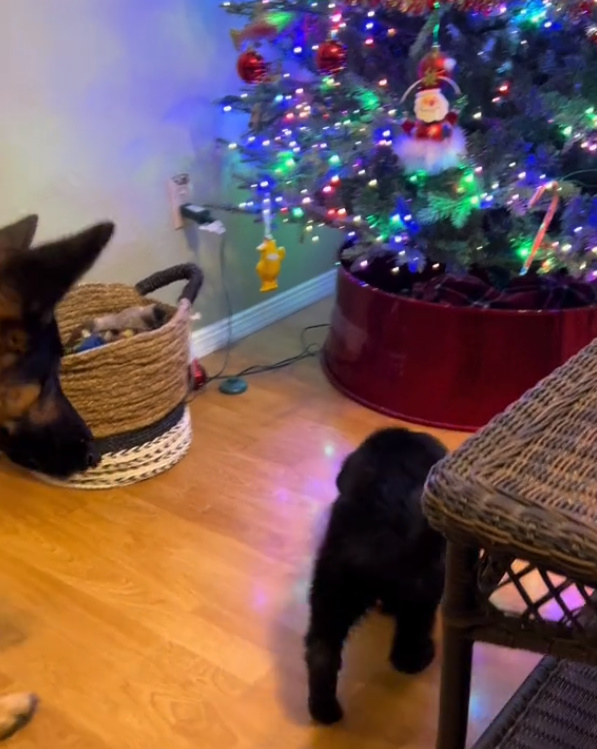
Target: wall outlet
{"x":179,"y":191}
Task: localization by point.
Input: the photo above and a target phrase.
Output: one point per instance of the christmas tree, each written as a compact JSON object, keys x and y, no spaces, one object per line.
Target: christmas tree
{"x":461,"y":132}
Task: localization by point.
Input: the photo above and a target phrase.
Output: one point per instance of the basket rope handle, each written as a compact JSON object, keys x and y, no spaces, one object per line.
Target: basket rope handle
{"x":185,"y":272}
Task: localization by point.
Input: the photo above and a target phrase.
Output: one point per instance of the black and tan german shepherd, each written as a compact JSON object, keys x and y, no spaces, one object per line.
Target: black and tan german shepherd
{"x":39,"y":428}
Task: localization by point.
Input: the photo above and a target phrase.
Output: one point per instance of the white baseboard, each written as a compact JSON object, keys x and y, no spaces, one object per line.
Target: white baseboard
{"x":206,"y":340}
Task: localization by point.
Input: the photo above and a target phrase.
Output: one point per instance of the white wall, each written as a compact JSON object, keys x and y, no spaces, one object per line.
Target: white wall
{"x":103,"y":100}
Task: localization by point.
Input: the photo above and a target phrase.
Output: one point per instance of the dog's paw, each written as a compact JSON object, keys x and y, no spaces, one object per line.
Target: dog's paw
{"x":409,"y":658}
{"x":15,"y":711}
{"x":326,"y":712}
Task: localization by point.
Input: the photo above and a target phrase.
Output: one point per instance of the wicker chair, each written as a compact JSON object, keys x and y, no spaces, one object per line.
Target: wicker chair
{"x":518,"y":505}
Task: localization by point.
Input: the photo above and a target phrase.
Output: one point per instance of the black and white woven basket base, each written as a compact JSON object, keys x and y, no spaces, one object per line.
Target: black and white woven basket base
{"x":138,"y":456}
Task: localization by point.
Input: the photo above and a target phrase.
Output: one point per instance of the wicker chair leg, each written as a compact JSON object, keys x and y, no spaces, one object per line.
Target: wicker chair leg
{"x":455,"y":690}
{"x":457,"y":648}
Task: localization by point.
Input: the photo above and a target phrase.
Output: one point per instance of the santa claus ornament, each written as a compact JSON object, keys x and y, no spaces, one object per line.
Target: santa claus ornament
{"x":432,"y":142}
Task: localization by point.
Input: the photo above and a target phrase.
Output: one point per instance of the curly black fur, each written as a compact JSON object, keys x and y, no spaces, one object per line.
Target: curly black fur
{"x":378,"y":548}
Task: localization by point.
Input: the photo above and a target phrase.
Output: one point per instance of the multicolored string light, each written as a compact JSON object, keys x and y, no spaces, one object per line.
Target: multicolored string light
{"x":302,"y":138}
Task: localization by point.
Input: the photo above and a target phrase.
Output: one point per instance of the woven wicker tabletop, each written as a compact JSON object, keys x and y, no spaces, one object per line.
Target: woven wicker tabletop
{"x":527,"y":482}
{"x":556,"y":708}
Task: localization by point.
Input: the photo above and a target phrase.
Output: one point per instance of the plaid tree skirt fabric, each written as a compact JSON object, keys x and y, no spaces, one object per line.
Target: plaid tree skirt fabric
{"x":521,"y":293}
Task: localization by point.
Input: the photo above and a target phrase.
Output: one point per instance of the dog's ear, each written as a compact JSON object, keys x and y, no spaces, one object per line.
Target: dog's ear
{"x":44,"y":275}
{"x":17,"y":237}
{"x":356,"y":474}
{"x":342,"y":477}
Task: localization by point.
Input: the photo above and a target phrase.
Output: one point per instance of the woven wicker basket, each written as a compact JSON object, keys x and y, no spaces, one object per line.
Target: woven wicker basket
{"x":131,"y":393}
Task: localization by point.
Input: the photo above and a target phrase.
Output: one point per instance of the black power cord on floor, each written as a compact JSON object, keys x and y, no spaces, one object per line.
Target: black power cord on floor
{"x":229,"y":313}
{"x":308,"y":350}
{"x":234,"y":383}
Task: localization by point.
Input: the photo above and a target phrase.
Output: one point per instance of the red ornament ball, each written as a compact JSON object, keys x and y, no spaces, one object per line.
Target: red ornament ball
{"x":592,"y":33}
{"x":331,"y":57}
{"x":251,"y":67}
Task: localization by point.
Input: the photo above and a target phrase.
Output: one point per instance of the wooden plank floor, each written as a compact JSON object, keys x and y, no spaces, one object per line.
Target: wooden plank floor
{"x":170,"y":615}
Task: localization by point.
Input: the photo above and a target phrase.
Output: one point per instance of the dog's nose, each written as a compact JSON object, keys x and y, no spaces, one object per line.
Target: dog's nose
{"x":93,"y":457}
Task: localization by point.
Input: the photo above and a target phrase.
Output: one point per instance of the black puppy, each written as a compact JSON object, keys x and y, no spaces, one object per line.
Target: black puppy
{"x":378,"y":548}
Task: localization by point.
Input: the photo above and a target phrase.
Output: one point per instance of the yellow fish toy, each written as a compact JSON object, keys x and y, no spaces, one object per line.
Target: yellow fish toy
{"x":270,"y":263}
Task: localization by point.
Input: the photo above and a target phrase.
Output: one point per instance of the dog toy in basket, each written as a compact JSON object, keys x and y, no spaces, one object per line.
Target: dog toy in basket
{"x":115,"y":327}
{"x":132,"y":393}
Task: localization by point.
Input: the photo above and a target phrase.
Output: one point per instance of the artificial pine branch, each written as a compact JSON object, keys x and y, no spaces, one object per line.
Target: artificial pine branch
{"x":528,"y":92}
